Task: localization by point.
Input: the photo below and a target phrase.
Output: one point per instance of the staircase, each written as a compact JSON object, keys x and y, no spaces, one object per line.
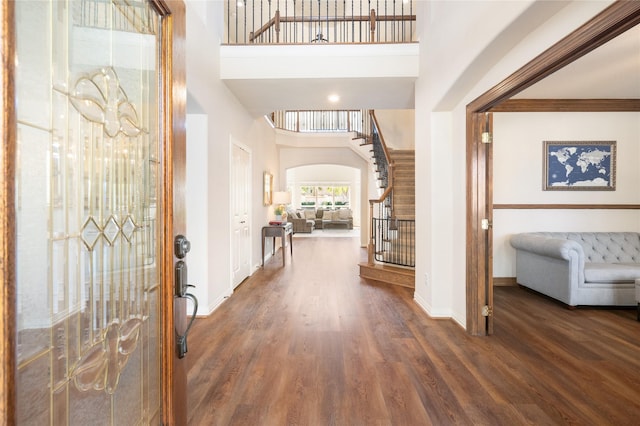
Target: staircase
{"x":404,"y":184}
{"x":392,"y":242}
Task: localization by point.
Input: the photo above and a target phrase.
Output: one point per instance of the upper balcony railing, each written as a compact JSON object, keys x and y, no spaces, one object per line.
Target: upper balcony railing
{"x":320,"y":121}
{"x":319,"y":21}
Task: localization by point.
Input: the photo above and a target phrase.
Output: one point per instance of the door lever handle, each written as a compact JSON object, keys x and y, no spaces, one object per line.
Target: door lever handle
{"x":181,"y":339}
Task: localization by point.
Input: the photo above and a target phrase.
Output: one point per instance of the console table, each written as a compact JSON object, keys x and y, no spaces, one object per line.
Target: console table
{"x":281,"y":231}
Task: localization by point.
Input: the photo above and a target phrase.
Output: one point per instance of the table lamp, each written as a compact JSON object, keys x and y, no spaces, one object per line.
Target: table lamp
{"x":281,"y":199}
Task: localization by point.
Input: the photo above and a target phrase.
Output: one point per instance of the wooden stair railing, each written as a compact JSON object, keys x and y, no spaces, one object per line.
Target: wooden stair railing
{"x":383,"y":162}
{"x":391,"y":237}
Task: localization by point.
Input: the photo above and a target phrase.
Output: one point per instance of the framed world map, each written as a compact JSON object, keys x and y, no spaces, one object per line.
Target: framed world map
{"x":579,"y":166}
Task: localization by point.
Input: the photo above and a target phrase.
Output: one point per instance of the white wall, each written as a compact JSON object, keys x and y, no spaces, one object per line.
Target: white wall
{"x":271,"y":78}
{"x":491,"y":40}
{"x":225,"y":119}
{"x":197,"y":223}
{"x":520,"y":136}
{"x":397,"y":127}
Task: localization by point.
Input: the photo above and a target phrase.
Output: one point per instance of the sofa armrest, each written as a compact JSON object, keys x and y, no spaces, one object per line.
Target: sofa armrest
{"x":301,"y":225}
{"x":551,"y":266}
{"x":551,"y":247}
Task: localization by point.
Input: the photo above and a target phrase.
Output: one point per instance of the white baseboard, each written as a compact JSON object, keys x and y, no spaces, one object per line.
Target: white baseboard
{"x":428,"y":309}
{"x":213,"y":306}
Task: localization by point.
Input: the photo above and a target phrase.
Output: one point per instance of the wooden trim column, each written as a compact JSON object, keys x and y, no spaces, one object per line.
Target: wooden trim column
{"x":476,"y":210}
{"x":486,"y":125}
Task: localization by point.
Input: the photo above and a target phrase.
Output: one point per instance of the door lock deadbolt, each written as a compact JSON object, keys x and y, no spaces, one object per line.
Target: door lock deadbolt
{"x":181,"y":246}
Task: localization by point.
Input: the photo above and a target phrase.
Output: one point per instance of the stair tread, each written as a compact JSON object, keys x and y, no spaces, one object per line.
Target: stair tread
{"x":390,"y":268}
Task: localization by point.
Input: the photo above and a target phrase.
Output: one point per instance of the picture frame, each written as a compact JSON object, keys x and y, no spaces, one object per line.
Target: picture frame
{"x":268,"y":189}
{"x":579,"y":166}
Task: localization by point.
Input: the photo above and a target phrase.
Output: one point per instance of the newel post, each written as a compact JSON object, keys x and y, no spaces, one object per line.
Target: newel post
{"x":372,"y":23}
{"x":277,"y":25}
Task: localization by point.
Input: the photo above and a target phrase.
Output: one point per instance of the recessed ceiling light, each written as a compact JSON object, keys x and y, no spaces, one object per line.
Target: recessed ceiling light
{"x":240,"y":3}
{"x":334,"y":98}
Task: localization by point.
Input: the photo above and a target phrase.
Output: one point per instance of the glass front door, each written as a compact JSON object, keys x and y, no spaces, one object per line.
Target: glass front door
{"x":88,"y":212}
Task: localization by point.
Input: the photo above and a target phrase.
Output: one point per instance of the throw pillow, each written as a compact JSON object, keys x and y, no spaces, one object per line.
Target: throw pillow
{"x":299,"y":214}
{"x":335,"y":215}
{"x":309,"y":214}
{"x":327,"y":215}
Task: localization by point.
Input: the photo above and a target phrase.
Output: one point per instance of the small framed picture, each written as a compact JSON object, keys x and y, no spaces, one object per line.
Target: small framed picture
{"x":268,"y":188}
{"x":579,"y":166}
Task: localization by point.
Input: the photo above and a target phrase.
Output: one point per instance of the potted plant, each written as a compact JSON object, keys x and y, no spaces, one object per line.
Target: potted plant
{"x":278,"y":212}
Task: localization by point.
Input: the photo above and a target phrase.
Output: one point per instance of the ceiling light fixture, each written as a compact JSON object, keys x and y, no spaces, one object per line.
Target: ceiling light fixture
{"x":334,"y":98}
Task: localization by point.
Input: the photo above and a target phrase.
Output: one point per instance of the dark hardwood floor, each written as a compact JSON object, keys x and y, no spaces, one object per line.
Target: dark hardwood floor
{"x":313,"y":344}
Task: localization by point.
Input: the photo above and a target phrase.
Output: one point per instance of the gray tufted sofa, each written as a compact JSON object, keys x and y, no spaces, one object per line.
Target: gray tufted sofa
{"x":580,"y":268}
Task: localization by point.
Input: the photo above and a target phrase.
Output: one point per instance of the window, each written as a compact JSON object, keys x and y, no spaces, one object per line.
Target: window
{"x":331,"y":196}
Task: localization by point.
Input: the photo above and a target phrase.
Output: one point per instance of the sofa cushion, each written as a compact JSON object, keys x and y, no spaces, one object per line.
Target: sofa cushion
{"x":344,"y":214}
{"x":611,"y":272}
{"x":327,"y":215}
{"x":309,"y":214}
{"x":291,"y":212}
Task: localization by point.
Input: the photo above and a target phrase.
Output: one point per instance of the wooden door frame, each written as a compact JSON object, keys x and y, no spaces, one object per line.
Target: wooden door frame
{"x":8,"y":129}
{"x":611,"y":22}
{"x":173,"y":69}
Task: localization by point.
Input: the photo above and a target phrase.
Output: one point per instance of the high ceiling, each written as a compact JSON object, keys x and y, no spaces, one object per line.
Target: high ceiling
{"x":611,"y":71}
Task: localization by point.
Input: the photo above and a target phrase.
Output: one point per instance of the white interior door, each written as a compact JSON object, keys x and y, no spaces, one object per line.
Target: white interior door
{"x":240,"y":218}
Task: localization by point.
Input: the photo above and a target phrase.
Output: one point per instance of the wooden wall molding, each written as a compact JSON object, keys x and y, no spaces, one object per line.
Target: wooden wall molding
{"x":505,"y":282}
{"x":566,"y":206}
{"x":568,"y":105}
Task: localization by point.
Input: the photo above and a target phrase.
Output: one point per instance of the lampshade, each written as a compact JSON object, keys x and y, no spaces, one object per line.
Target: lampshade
{"x":281,"y":197}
